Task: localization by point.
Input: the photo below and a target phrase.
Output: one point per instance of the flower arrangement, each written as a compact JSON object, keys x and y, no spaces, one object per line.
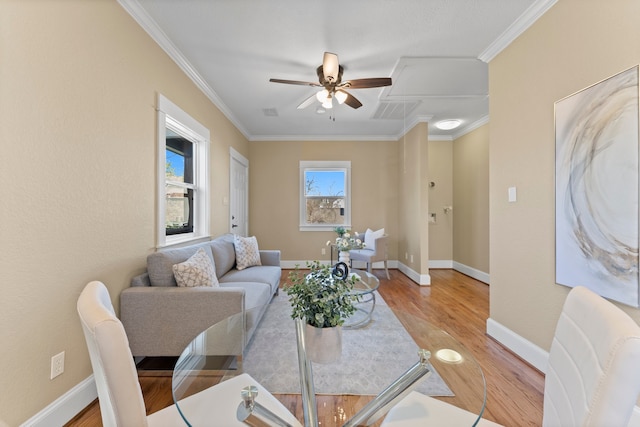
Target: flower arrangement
{"x":322,"y":297}
{"x":345,"y":241}
{"x":340,"y":230}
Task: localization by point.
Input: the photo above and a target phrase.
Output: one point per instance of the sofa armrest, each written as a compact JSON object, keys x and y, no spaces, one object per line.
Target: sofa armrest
{"x":141,"y":280}
{"x":161,"y":321}
{"x":270,"y":257}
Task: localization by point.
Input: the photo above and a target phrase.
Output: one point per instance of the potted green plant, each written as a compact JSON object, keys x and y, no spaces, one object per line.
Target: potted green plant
{"x":323,"y":298}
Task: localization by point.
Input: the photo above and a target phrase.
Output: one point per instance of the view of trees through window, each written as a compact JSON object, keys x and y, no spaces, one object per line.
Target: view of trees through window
{"x":325,"y":196}
{"x":179,"y":185}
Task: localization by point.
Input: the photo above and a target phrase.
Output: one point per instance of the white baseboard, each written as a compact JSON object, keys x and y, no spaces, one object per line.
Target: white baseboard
{"x":67,"y":406}
{"x":520,"y":346}
{"x":420,"y":279}
{"x":471,"y":272}
{"x":440,"y":263}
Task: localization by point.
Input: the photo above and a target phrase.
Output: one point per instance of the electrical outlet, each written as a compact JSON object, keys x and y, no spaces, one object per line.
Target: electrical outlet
{"x":411,"y":258}
{"x":406,"y":255}
{"x":324,"y":251}
{"x":57,"y":365}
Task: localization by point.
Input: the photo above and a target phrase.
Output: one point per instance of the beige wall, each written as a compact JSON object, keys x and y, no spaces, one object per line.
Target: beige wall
{"x":78,"y":86}
{"x":471,"y":199}
{"x":274,"y":183}
{"x":413,"y":203}
{"x":574,"y":45}
{"x":441,"y":195}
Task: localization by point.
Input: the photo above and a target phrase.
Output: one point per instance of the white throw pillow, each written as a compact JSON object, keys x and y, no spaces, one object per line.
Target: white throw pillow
{"x":247,"y":252}
{"x":198,"y":270}
{"x":370,"y":237}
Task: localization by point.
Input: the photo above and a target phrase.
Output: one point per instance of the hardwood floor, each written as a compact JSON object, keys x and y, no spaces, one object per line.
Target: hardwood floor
{"x":455,"y":303}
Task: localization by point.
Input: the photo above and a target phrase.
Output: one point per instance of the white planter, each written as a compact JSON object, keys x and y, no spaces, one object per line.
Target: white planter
{"x":324,"y":345}
{"x":344,"y":256}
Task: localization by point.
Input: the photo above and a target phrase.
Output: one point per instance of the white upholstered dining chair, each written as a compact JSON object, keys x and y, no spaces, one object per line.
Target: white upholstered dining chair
{"x":592,"y":379}
{"x":375,"y":250}
{"x":119,"y":392}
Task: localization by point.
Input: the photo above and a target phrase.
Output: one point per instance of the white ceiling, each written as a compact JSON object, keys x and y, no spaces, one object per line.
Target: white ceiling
{"x":435,"y":51}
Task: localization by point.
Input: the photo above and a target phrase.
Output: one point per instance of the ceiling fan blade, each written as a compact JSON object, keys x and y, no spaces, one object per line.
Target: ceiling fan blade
{"x":330,"y":67}
{"x":310,"y":100}
{"x":295,"y":82}
{"x":368,"y":83}
{"x":351,"y":100}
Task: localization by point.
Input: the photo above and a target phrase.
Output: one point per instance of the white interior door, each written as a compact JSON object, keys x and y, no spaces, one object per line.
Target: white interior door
{"x":239,"y":206}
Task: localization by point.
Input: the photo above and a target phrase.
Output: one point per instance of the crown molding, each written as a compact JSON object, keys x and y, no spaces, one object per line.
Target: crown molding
{"x":473,"y":126}
{"x":524,"y":21}
{"x":303,"y":138}
{"x":137,"y":12}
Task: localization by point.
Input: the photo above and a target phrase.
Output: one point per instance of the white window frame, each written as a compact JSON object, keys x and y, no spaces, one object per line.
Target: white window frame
{"x":343,"y":166}
{"x":172,"y":116}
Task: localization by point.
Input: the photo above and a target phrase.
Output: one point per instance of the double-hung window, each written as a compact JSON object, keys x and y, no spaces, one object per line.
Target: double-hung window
{"x":325,"y":195}
{"x":183,"y":204}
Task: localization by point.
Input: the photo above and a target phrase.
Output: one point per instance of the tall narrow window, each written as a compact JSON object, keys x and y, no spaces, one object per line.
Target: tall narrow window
{"x":180,"y":184}
{"x":183,"y":205}
{"x":325,"y":195}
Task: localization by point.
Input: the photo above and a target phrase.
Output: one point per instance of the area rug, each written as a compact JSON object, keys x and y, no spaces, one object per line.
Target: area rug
{"x":377,"y":355}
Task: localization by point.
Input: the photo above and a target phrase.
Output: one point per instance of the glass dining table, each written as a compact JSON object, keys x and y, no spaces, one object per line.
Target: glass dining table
{"x":218,"y":354}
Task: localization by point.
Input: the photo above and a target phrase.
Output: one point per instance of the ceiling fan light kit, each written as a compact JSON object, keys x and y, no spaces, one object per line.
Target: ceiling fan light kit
{"x":341,"y":96}
{"x":330,"y":79}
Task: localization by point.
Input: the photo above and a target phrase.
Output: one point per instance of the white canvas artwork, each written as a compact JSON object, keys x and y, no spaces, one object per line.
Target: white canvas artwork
{"x":597,"y":188}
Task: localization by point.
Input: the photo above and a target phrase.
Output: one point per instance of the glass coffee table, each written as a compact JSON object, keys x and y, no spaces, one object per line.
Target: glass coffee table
{"x":224,"y":352}
{"x":365,"y":288}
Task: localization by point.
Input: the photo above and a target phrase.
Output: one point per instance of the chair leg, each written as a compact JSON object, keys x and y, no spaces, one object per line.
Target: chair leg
{"x":369,"y":267}
{"x":386,"y":269}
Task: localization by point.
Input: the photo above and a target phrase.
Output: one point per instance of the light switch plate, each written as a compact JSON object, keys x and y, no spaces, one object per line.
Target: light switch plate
{"x":512,"y":194}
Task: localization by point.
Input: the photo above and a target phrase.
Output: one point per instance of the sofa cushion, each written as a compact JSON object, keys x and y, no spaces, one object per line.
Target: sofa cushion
{"x":257,"y":297}
{"x":267,"y":274}
{"x":247,"y":252}
{"x":196,"y":271}
{"x":256,"y":294}
{"x":224,"y":254}
{"x":160,"y":264}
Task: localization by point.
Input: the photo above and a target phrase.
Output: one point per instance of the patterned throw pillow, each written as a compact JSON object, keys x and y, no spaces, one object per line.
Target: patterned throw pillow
{"x":247,"y":253}
{"x":196,"y":271}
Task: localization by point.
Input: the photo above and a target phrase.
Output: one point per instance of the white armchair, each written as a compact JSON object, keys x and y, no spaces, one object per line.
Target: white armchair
{"x":374,"y":251}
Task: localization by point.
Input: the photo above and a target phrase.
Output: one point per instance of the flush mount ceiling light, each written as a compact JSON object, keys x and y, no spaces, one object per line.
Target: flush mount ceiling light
{"x":448,"y":124}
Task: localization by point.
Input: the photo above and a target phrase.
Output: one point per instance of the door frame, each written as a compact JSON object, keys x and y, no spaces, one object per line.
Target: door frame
{"x":235,"y":156}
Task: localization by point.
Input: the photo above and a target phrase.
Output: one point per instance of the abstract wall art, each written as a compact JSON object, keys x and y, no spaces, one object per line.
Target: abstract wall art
{"x":597,"y":215}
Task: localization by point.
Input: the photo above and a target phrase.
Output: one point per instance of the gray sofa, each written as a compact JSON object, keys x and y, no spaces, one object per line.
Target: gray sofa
{"x":160,"y":318}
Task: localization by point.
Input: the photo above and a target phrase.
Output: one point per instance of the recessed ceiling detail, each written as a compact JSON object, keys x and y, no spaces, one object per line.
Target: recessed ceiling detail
{"x":270,"y":112}
{"x":395,"y":110}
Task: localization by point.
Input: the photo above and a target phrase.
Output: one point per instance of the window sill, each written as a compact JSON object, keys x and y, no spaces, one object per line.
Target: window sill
{"x":183,"y":241}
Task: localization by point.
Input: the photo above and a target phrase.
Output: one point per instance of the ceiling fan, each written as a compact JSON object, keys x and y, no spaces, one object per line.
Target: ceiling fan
{"x":330,"y":78}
